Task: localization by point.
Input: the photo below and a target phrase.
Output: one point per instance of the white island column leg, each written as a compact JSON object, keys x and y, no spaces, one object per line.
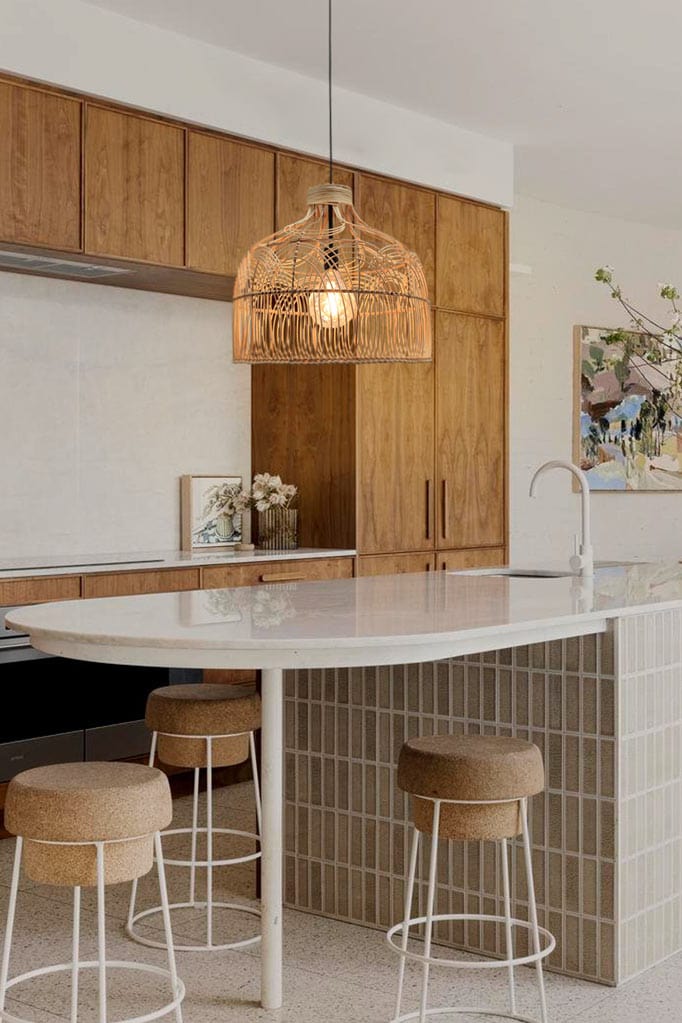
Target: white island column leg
{"x":272,"y":754}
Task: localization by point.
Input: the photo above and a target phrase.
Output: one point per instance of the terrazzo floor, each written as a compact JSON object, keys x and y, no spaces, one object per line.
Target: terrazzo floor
{"x":334,"y":972}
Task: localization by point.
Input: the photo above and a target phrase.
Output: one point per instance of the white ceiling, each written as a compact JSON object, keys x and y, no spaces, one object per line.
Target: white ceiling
{"x":589,"y":91}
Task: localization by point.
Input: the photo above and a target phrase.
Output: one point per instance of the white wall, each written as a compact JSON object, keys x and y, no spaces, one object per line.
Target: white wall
{"x":564,"y":247}
{"x":87,"y":48}
{"x":107,"y":396}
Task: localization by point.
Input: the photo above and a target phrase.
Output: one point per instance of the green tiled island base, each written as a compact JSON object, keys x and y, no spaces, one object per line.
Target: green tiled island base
{"x":607,"y":832}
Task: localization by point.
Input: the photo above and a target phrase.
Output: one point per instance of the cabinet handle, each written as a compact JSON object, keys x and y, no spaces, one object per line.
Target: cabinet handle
{"x":428,"y":509}
{"x":291,"y":577}
{"x":445,"y":510}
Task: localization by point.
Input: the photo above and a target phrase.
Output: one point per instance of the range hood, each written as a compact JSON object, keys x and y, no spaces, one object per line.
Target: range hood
{"x":54,"y":267}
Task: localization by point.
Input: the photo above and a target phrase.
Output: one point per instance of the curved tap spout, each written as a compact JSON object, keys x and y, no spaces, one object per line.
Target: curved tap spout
{"x":583,"y":557}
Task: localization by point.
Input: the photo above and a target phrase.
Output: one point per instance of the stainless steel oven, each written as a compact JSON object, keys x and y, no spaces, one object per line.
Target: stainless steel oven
{"x":58,"y":709}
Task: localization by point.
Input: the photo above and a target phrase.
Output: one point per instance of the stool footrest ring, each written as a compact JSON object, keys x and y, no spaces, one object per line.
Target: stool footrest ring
{"x":472,"y":1010}
{"x":232,"y":861}
{"x":197,"y":904}
{"x":111,"y":964}
{"x":465,"y":964}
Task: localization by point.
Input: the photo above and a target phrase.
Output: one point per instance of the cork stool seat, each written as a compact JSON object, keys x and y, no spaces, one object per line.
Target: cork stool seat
{"x":203,"y":726}
{"x":89,"y":825}
{"x":470,"y":788}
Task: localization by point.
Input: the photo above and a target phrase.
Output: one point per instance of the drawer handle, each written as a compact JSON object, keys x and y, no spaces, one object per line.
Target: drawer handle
{"x":428,"y":509}
{"x":445,"y":511}
{"x":291,"y":577}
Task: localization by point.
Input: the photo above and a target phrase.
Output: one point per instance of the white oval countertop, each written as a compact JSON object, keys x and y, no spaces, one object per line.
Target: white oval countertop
{"x":370,"y":620}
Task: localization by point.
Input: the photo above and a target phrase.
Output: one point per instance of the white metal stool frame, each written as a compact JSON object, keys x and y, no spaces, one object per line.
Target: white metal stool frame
{"x":209,"y":863}
{"x":403,"y":928}
{"x":101,"y":964}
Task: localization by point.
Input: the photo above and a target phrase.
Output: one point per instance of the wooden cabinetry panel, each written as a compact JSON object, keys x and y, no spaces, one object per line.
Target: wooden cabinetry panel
{"x":218,"y":576}
{"x":295,"y":175}
{"x":395,"y":442}
{"x":404,"y":212}
{"x":40,"y":168}
{"x":480,"y":557}
{"x":470,"y":432}
{"x":395,"y":564}
{"x":120,"y":584}
{"x":134,"y":187}
{"x":304,"y":429}
{"x":38,"y":590}
{"x":471,"y":257}
{"x":230,"y":201}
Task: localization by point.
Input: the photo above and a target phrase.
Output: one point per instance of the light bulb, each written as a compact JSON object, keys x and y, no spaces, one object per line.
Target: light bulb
{"x":333,"y":305}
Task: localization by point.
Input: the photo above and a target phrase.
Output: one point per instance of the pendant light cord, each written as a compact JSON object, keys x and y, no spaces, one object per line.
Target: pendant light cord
{"x":329,"y":48}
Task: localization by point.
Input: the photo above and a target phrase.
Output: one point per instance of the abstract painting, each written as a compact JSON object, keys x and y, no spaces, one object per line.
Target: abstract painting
{"x":627,"y":433}
{"x":211,"y":508}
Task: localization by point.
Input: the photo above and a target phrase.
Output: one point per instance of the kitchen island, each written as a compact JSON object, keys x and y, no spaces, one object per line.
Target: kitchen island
{"x":588,"y":669}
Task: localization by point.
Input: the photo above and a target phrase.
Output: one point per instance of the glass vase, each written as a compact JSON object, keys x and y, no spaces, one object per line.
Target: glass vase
{"x":278,"y":529}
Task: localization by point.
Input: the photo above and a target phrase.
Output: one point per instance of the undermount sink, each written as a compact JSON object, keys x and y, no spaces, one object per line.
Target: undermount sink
{"x":518,"y":573}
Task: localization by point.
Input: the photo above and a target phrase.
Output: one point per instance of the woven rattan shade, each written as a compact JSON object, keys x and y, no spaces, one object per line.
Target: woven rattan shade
{"x":329,"y":288}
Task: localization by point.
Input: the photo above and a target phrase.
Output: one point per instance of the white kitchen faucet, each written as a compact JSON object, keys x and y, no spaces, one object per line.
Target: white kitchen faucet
{"x":582,"y":559}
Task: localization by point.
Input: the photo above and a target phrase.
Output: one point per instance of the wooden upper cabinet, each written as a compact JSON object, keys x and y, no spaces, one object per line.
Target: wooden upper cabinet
{"x":395,"y":451}
{"x":230,"y":201}
{"x":470,"y":431}
{"x":40,"y":168}
{"x":471,"y":257}
{"x":134,"y":187}
{"x":295,"y":175}
{"x":406,"y":213}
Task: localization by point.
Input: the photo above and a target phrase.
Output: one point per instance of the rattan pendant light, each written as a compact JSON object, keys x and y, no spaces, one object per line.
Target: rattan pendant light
{"x":330,"y":288}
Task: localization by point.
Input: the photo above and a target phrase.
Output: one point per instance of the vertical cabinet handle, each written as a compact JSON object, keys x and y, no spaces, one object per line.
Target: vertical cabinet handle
{"x":428,"y":510}
{"x":445,"y":510}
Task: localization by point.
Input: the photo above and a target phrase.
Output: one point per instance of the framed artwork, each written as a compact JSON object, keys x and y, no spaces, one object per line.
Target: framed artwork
{"x":626,"y":435}
{"x":210,"y":512}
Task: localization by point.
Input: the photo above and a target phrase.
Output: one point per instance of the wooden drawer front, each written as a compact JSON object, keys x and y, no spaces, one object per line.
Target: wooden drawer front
{"x":277,"y":572}
{"x":481,"y":557}
{"x":390,"y":564}
{"x":37,"y":591}
{"x":119,"y":584}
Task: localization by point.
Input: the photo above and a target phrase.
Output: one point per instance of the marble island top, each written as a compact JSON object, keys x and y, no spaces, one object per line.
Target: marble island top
{"x":369,"y":620}
{"x":84,"y":564}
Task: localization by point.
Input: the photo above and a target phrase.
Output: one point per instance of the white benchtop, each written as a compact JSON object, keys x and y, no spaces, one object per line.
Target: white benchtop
{"x":85,"y":564}
{"x":370,"y":620}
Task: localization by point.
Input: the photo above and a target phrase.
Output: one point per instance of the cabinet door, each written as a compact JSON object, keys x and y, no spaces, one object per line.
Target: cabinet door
{"x":478,"y":557}
{"x":470,"y":432}
{"x":471,"y":257}
{"x":295,"y":175}
{"x":395,"y":564}
{"x":134,"y":187}
{"x":395,"y":444}
{"x":406,"y":213}
{"x":230,"y":201}
{"x":40,"y":168}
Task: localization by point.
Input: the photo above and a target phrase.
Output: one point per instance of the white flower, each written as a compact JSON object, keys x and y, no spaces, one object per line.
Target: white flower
{"x":262,"y":505}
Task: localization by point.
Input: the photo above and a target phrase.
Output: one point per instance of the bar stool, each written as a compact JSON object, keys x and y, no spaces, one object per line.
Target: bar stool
{"x":203,"y":726}
{"x":470,"y":788}
{"x":83,"y":825}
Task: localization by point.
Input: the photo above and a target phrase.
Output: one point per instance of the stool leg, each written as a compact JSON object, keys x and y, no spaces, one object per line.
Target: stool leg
{"x":172,"y":968}
{"x":507,"y":923}
{"x":256,"y":783}
{"x":101,"y":935}
{"x":209,"y":842}
{"x":195,"y":821}
{"x":532,"y":907}
{"x":75,"y":952}
{"x":429,"y":907}
{"x":9,"y":928}
{"x":133,"y":890}
{"x":408,"y":909}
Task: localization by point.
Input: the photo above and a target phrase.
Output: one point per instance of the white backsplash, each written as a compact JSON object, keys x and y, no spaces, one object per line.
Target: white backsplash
{"x":107,"y":396}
